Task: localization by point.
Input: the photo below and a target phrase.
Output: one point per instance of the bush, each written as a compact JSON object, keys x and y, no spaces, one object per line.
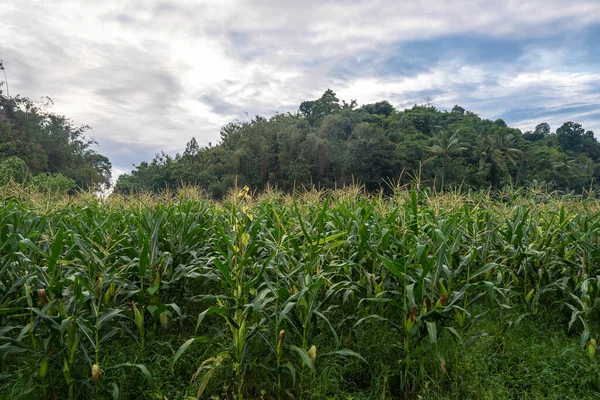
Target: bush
{"x":13,"y":169}
{"x":53,"y":183}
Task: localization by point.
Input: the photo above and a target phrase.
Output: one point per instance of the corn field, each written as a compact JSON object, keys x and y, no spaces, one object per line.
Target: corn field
{"x":276,"y":296}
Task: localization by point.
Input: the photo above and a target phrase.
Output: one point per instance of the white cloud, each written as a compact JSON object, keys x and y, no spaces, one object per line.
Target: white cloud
{"x":149,"y":75}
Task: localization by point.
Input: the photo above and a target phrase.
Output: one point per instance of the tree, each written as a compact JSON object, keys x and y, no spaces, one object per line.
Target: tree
{"x":380,"y":108}
{"x":445,"y":145}
{"x":48,"y":142}
{"x":424,"y":118}
{"x":318,"y":109}
{"x":541,"y":131}
{"x":370,"y":156}
{"x":328,"y":142}
{"x":458,"y":109}
{"x":496,"y":150}
{"x":570,"y":136}
{"x":191,"y":148}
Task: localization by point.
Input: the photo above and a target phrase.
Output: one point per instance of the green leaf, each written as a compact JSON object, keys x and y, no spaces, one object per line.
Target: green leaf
{"x":483,"y":270}
{"x":56,"y":248}
{"x":288,"y":307}
{"x":141,"y":367}
{"x":48,"y":320}
{"x":201,"y":318}
{"x":455,"y":333}
{"x":115,"y":391}
{"x":225,"y":271}
{"x":182,"y":350}
{"x":152,"y":309}
{"x":153,"y":289}
{"x":304,"y":356}
{"x":333,"y":332}
{"x":292,"y":370}
{"x":325,"y":240}
{"x":143,"y":263}
{"x":4,"y":311}
{"x":176,"y":308}
{"x":12,"y":348}
{"x":344,"y":353}
{"x":27,"y":243}
{"x":392,"y":266}
{"x":432,"y":330}
{"x":107,"y":316}
{"x":114,"y":331}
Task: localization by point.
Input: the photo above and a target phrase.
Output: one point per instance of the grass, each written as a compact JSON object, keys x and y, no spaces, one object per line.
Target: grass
{"x":533,"y":361}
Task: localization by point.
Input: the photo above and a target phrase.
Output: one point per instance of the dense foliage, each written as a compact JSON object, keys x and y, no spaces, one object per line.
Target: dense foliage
{"x":55,"y":153}
{"x":329,"y":144}
{"x":322,"y":295}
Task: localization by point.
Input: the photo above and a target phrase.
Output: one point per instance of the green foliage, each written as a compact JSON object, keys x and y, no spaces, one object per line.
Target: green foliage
{"x":13,"y":169}
{"x":319,"y":295}
{"x":446,"y":145}
{"x":329,"y":143}
{"x":50,"y":143}
{"x":53,"y":183}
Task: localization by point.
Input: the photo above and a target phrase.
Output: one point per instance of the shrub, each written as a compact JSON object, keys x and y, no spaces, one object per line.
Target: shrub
{"x":13,"y":169}
{"x":53,"y":183}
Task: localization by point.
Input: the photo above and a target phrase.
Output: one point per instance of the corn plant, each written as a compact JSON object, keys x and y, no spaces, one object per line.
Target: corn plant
{"x":265,"y":296}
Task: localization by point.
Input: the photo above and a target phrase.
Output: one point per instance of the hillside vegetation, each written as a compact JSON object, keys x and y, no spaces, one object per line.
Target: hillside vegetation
{"x":40,"y":146}
{"x":329,"y":143}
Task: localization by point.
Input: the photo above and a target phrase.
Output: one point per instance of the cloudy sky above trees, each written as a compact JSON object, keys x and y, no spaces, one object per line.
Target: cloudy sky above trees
{"x":149,"y":75}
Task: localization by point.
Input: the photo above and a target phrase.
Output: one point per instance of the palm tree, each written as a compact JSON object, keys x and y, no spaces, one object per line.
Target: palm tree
{"x":495,"y":152}
{"x":505,"y":143}
{"x":445,"y":145}
{"x":580,"y":168}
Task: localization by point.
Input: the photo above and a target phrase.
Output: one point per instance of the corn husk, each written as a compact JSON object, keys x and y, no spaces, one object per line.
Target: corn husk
{"x":96,"y":373}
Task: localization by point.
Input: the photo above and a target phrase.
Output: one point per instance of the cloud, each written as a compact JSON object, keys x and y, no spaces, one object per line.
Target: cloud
{"x":149,"y":75}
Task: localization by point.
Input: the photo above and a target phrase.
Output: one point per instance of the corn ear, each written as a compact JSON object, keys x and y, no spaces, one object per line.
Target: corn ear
{"x":442,"y":288}
{"x":43,"y":297}
{"x":73,"y":350}
{"x":96,"y":373}
{"x":412,"y":318}
{"x":529,"y":296}
{"x":591,"y":348}
{"x":43,"y":370}
{"x":280,"y":343}
{"x":312,"y":353}
{"x":67,"y":371}
{"x":241,"y":338}
{"x":163,"y":319}
{"x":99,"y":285}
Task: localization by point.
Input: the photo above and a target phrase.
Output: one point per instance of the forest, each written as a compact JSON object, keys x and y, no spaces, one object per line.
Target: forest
{"x":330,"y":143}
{"x":326,"y":144}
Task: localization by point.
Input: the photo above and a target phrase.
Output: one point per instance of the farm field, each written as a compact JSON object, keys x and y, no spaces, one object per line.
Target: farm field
{"x":320,"y":295}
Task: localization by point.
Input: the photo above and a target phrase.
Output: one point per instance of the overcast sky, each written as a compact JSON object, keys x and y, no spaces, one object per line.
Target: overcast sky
{"x":150,"y":75}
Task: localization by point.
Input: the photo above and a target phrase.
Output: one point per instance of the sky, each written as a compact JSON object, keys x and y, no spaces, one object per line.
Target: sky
{"x":149,"y":75}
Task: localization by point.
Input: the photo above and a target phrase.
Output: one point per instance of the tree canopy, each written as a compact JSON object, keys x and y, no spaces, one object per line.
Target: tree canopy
{"x":50,"y":144}
{"x":329,"y":143}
